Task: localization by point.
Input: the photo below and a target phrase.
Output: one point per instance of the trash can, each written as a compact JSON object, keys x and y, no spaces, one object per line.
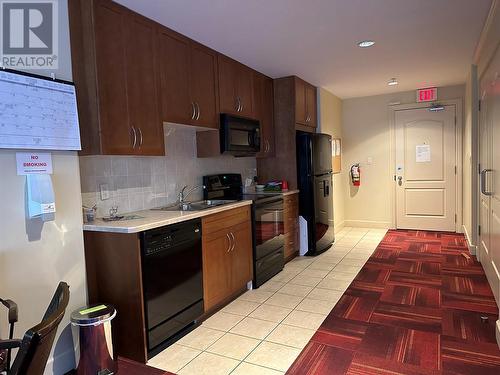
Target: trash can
{"x":91,"y":328}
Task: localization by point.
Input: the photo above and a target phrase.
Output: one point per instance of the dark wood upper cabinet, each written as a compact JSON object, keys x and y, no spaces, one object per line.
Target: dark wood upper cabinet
{"x":203,"y":85}
{"x":311,"y":106}
{"x":305,"y":103}
{"x":264,"y":110}
{"x":142,"y":86}
{"x":174,"y":57}
{"x":236,"y":92}
{"x":300,"y":102}
{"x":111,"y":79}
{"x":113,"y":59}
{"x":188,"y":74}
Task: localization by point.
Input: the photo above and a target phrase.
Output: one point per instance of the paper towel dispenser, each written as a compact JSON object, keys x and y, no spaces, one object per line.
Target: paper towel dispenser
{"x":40,"y":196}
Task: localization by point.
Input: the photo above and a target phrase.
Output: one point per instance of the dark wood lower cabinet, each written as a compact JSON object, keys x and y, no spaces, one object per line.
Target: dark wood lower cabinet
{"x":227,"y":255}
{"x":114,"y":273}
{"x":291,"y":217}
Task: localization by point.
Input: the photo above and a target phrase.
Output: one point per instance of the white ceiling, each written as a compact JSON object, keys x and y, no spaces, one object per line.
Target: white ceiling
{"x":420,"y":42}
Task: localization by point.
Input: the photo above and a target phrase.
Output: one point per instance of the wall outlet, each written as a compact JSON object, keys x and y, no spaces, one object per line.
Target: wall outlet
{"x":104,"y":189}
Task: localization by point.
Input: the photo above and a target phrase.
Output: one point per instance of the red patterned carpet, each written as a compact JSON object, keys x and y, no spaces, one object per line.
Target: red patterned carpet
{"x":414,"y":308}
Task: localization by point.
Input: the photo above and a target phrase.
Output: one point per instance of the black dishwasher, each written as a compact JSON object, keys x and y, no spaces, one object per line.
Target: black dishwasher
{"x":172,"y":281}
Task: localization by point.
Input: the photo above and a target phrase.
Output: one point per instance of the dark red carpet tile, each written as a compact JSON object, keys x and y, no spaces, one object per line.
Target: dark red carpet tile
{"x":412,"y":317}
{"x":411,"y":279}
{"x":467,"y":325}
{"x":414,"y":308}
{"x":469,"y":302}
{"x":320,"y":359}
{"x":418,"y":267}
{"x":470,"y":285}
{"x":367,"y":365}
{"x":412,"y":296}
{"x":341,"y":333}
{"x":469,"y":357}
{"x":356,"y":304}
{"x":402,"y":345}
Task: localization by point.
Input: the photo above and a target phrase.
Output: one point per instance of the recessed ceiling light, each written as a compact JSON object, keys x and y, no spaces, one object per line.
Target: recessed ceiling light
{"x":392,"y":82}
{"x":366,"y":43}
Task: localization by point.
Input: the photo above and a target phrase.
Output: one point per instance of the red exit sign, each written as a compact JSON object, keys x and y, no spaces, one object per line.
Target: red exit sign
{"x":428,"y":94}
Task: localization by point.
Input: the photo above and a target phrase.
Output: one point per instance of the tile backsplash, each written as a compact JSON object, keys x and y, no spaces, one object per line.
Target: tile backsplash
{"x":143,"y":182}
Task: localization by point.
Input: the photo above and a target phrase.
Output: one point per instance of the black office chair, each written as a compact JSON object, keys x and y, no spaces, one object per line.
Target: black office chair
{"x":34,"y":348}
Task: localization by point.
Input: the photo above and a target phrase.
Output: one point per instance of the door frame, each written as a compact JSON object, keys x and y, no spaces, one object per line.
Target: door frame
{"x":458,"y":152}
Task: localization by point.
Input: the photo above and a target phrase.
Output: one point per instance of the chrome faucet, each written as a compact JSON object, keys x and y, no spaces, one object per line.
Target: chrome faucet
{"x":183,"y":194}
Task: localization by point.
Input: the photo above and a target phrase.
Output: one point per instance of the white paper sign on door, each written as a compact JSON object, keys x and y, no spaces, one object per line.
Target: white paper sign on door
{"x":423,"y":153}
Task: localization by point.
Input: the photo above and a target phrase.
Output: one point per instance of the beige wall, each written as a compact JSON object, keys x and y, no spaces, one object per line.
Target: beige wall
{"x":330,"y":122}
{"x":35,"y":257}
{"x":366,"y":135}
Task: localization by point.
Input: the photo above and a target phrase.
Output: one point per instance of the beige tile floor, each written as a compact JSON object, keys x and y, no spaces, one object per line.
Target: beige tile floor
{"x":264,"y":330}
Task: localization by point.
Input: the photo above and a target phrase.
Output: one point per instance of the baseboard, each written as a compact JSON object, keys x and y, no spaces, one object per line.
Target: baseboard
{"x":61,"y":363}
{"x":470,"y":244}
{"x":368,"y":224}
{"x":338,"y":227}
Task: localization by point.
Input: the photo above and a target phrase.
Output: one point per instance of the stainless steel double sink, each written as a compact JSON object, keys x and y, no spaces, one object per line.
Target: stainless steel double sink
{"x":195,"y":206}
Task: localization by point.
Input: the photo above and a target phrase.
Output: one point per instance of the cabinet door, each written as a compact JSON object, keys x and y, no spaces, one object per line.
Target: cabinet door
{"x":228,"y":101}
{"x":264,"y":111}
{"x":142,"y":89}
{"x":244,"y":90}
{"x":241,"y":255}
{"x":203,"y":85}
{"x":217,"y":264}
{"x":300,"y":102}
{"x":176,"y":104}
{"x":311,"y":106}
{"x":110,"y":41}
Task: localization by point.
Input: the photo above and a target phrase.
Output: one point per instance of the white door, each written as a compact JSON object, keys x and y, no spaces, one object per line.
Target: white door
{"x":489,"y":165}
{"x":426,"y":169}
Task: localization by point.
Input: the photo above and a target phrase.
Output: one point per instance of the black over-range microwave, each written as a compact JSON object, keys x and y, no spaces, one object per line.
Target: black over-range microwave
{"x":239,"y":136}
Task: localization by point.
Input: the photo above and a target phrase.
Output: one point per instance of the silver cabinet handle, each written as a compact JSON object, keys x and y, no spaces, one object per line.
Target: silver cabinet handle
{"x":193,"y":111}
{"x":140,"y":137}
{"x":198,"y":111}
{"x":229,"y":243}
{"x":134,"y":142}
{"x":483,"y":182}
{"x":268,"y":146}
{"x":237,"y":104}
{"x":241,"y":105}
{"x":234,"y":241}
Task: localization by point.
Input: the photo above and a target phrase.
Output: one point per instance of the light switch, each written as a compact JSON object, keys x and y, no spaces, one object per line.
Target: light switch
{"x":104,"y":189}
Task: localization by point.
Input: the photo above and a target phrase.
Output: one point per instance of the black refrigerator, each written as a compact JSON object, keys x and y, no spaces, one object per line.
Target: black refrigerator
{"x":315,"y":182}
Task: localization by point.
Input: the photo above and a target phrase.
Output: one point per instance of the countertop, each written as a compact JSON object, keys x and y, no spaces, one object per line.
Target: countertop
{"x":151,"y":219}
{"x":253,"y":191}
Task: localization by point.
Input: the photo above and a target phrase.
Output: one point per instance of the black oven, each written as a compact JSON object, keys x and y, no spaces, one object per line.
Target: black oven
{"x":267,"y":222}
{"x":239,"y":136}
{"x":269,"y":237}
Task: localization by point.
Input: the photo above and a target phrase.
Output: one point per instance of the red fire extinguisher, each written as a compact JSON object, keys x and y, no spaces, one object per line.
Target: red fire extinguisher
{"x":355,"y":175}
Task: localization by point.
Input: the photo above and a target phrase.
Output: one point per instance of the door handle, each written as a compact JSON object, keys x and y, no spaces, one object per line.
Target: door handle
{"x":400,"y":180}
{"x":197,"y":110}
{"x":229,"y":243}
{"x":134,"y":142}
{"x":140,"y":137}
{"x":483,"y":182}
{"x":234,"y":240}
{"x":193,"y":111}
